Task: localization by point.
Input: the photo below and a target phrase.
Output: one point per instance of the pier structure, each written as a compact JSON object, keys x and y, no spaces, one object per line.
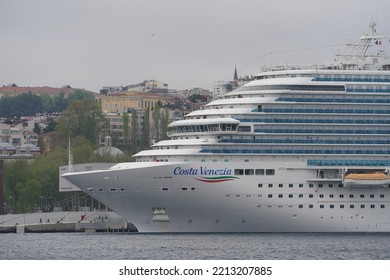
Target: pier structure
{"x":93,"y":221}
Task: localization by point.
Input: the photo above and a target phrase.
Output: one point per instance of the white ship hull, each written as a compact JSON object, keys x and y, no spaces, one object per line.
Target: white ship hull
{"x":156,"y":198}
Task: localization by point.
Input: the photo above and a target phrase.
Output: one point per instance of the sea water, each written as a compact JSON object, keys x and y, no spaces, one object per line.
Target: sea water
{"x":253,"y":246}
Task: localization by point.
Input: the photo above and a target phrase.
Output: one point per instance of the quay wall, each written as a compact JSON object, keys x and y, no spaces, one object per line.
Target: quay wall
{"x":64,"y":222}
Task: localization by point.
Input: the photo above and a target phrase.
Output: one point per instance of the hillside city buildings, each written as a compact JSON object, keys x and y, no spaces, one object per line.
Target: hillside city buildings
{"x":118,"y":103}
{"x":123,"y":107}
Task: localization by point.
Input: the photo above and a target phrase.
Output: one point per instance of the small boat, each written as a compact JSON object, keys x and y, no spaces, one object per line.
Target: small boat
{"x":366,"y":179}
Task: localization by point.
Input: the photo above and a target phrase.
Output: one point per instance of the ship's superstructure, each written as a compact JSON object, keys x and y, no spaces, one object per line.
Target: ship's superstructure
{"x":293,"y":150}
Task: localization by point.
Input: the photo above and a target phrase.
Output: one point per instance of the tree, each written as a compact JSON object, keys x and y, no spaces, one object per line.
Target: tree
{"x":164,"y":124}
{"x":15,"y":174}
{"x":29,"y":195}
{"x":51,"y":126}
{"x":37,"y":128}
{"x":125,"y":123}
{"x":156,"y":123}
{"x":27,"y":104}
{"x":134,"y":132}
{"x":81,"y":118}
{"x":80,"y":95}
{"x":59,"y":103}
{"x":145,"y":136}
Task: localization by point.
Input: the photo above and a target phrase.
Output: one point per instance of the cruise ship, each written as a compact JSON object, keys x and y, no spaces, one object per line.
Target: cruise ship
{"x":297,"y":149}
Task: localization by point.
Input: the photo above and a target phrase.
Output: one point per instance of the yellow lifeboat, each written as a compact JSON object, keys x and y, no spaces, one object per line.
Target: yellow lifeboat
{"x":366,"y":179}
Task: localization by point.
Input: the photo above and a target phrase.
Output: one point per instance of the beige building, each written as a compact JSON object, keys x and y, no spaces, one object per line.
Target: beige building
{"x":131,"y":100}
{"x":116,"y":105}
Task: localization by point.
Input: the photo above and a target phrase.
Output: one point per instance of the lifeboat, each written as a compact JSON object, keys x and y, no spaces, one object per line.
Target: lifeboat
{"x":366,"y":179}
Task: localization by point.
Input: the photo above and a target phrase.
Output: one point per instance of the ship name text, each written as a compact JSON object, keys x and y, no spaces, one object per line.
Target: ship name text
{"x":202,"y":171}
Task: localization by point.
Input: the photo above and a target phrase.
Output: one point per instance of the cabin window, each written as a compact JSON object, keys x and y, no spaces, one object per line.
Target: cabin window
{"x":249,"y":172}
{"x":238,"y":171}
{"x":259,"y":171}
{"x":270,"y":172}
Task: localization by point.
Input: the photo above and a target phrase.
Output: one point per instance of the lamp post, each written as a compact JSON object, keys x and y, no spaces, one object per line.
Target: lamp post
{"x":13,"y":204}
{"x":45,"y":205}
{"x":51,"y":204}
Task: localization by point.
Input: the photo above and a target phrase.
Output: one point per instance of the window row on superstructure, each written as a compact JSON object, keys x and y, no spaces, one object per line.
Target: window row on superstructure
{"x":348,"y":162}
{"x":323,"y":108}
{"x":322,"y":129}
{"x":205,"y":128}
{"x":353,"y":78}
{"x":368,"y":88}
{"x":315,"y":118}
{"x":334,"y":98}
{"x":295,"y":149}
{"x":292,"y":87}
{"x":303,"y":139}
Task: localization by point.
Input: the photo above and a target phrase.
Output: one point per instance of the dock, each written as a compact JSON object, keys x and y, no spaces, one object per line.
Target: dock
{"x":89,"y":222}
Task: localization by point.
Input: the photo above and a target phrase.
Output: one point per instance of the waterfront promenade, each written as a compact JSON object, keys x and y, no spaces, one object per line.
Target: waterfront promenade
{"x":64,"y":222}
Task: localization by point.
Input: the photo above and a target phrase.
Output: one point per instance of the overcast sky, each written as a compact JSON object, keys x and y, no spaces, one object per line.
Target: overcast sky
{"x":185,"y":43}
